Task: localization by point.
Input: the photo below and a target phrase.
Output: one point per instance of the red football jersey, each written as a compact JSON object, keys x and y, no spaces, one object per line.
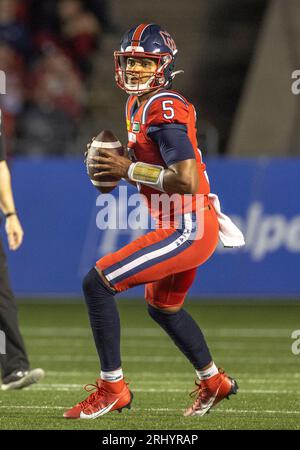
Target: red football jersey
{"x":164,"y":107}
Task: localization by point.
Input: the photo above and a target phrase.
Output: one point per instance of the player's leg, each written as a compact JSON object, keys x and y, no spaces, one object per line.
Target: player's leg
{"x":165,"y":300}
{"x":150,"y":257}
{"x":111,"y":390}
{"x":154,"y":256}
{"x":14,"y":363}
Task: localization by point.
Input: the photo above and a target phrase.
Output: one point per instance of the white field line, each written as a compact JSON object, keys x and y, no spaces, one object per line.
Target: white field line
{"x":186,"y":378}
{"x":31,"y":407}
{"x":221,"y":411}
{"x":153,"y":332}
{"x":215,"y":411}
{"x":75,"y":386}
{"x":74,"y":373}
{"x":46,"y":342}
{"x":248,"y":377}
{"x":264,"y":360}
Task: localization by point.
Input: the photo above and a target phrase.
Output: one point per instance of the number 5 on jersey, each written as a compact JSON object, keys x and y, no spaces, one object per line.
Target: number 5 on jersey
{"x":170,"y":110}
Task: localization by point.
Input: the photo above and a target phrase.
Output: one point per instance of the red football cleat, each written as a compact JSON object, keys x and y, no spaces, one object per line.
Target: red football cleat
{"x":107,"y":397}
{"x":210,"y":392}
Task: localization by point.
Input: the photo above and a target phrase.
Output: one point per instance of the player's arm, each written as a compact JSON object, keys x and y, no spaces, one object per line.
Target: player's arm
{"x":167,"y":127}
{"x":181,"y":177}
{"x":181,"y":174}
{"x":178,"y":154}
{"x":6,"y":197}
{"x":126,"y":153}
{"x":13,"y":227}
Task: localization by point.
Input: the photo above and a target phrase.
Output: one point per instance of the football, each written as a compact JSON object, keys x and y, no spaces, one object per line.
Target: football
{"x":108,"y":141}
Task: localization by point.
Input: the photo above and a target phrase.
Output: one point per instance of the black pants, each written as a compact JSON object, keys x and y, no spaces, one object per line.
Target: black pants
{"x":15,"y":357}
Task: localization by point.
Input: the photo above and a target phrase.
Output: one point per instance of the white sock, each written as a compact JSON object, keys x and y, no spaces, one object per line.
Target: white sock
{"x":207,"y":373}
{"x":113,"y":376}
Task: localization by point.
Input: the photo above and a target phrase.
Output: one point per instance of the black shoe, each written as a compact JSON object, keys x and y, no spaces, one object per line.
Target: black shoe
{"x":20,"y":379}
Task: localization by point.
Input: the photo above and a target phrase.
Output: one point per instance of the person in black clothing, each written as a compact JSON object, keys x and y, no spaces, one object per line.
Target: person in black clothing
{"x":14,"y":362}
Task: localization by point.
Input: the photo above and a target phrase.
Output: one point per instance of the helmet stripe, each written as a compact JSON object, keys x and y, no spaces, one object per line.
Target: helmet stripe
{"x":135,"y":41}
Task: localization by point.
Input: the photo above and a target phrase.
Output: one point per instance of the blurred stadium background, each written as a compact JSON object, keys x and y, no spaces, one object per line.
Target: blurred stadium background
{"x":239,"y":58}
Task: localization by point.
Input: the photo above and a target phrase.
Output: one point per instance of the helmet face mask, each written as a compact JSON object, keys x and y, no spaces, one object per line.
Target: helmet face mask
{"x":145,"y":42}
{"x":139,"y":82}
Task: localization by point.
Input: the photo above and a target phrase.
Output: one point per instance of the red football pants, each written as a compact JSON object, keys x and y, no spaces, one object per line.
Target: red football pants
{"x":165,"y":260}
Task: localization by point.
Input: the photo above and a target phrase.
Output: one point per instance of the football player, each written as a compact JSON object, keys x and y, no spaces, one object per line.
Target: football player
{"x":163,"y":158}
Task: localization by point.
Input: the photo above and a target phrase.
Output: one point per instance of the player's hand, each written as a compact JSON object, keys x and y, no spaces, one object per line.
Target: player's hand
{"x":14,"y":232}
{"x":87,"y":149}
{"x":110,"y":164}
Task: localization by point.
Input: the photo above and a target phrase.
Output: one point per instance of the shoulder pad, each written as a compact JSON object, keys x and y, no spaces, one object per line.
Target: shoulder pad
{"x":165,"y":107}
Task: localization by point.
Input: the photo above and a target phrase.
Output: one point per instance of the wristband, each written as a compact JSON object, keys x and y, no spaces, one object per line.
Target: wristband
{"x":149,"y":174}
{"x":11,"y":214}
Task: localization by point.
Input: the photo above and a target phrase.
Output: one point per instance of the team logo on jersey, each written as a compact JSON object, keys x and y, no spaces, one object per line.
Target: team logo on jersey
{"x":136,"y":127}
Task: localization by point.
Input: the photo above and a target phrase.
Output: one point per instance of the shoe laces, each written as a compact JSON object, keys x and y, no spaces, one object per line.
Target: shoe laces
{"x":99,"y":390}
{"x":202,"y":392}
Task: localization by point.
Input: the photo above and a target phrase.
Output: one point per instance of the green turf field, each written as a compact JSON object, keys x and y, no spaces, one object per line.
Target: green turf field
{"x":252,"y":341}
